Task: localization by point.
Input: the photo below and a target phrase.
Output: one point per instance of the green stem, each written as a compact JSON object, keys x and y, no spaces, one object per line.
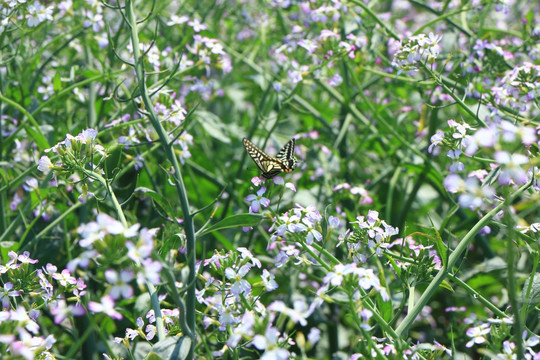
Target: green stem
{"x":452,"y":260}
{"x":180,"y":188}
{"x":477,"y":296}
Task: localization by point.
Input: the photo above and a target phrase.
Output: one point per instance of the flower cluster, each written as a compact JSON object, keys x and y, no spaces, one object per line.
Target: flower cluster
{"x":234,"y":309}
{"x":304,"y":222}
{"x":26,"y":290}
{"x":419,"y":48}
{"x":371,"y":230}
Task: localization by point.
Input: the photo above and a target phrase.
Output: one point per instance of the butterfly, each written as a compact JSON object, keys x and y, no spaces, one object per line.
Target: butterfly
{"x":271,"y":166}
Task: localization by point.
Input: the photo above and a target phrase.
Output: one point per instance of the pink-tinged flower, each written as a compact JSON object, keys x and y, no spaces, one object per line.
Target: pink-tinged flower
{"x":308,"y":44}
{"x":289,"y":223}
{"x":257,"y":201}
{"x":17,"y":200}
{"x":461,"y":128}
{"x":120,"y":283}
{"x":226,"y":314}
{"x":511,"y":169}
{"x":480,"y":174}
{"x":336,"y":80}
{"x":477,"y":334}
{"x":27,"y":346}
{"x":325,"y":34}
{"x":525,"y":134}
{"x":24,"y":258}
{"x":240,"y":285}
{"x":268,"y":280}
{"x":30,"y":185}
{"x":312,"y":234}
{"x":61,"y":310}
{"x":378,"y":243}
{"x":6,"y":293}
{"x":64,"y":278}
{"x":258,"y":181}
{"x":106,"y":306}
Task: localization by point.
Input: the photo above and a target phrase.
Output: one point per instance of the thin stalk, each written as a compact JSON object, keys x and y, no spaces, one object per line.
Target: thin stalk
{"x":452,"y":260}
{"x":179,"y":183}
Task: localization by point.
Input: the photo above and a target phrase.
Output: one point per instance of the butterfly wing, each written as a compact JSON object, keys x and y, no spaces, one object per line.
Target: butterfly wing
{"x":268,"y":165}
{"x":286,"y":155}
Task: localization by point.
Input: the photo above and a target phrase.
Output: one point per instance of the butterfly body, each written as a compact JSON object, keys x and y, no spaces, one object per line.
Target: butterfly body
{"x":272,"y":166}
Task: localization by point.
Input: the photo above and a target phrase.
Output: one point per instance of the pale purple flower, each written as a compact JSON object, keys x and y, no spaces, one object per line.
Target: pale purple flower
{"x":314,"y":335}
{"x":257,"y":201}
{"x":23,"y":319}
{"x":269,"y":343}
{"x":105,"y":306}
{"x":511,"y":169}
{"x":177,"y":20}
{"x":456,"y":164}
{"x":370,"y":223}
{"x":120,"y":283}
{"x":149,"y":271}
{"x":454,"y":183}
{"x":240,"y":285}
{"x":245,"y":327}
{"x":64,"y":278}
{"x":478,"y":334}
{"x":197,"y":25}
{"x":367,"y":279}
{"x":246,"y":254}
{"x":94,"y":20}
{"x":37,"y":13}
{"x":336,"y":276}
{"x":298,"y":314}
{"x":476,"y":196}
{"x":8,"y":292}
{"x":268,"y":280}
{"x":436,"y":140}
{"x":45,"y":165}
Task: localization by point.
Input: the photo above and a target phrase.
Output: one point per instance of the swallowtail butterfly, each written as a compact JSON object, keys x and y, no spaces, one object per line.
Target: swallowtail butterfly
{"x":271,"y":166}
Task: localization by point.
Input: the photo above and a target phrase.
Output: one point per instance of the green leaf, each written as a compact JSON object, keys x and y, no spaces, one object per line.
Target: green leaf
{"x":170,"y":348}
{"x":241,"y":220}
{"x":534,"y":295}
{"x":57,"y":82}
{"x":385,"y":308}
{"x":446,"y":285}
{"x":158,"y":198}
{"x":213,"y":126}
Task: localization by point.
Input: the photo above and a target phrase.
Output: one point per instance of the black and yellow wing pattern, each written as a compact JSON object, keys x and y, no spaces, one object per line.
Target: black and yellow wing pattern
{"x":271,"y":166}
